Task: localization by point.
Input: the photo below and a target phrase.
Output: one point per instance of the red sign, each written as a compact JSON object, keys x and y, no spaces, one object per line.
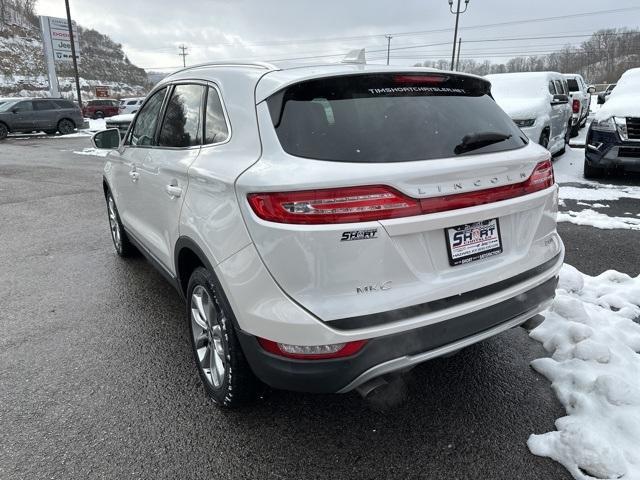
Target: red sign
{"x":102,"y":92}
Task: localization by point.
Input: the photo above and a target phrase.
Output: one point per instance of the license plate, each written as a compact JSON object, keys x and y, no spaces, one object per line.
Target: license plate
{"x":473,"y":241}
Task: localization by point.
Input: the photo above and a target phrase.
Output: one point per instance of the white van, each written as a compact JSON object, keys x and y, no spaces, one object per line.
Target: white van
{"x":539,"y":104}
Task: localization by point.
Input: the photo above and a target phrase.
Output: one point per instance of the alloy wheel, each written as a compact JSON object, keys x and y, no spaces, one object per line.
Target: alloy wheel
{"x":65,"y":127}
{"x":114,"y":224}
{"x":208,"y":337}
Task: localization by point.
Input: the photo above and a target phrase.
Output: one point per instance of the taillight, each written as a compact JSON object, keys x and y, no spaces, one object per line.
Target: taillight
{"x":312,"y":352}
{"x":334,"y":205}
{"x":366,"y":204}
{"x":576,"y":106}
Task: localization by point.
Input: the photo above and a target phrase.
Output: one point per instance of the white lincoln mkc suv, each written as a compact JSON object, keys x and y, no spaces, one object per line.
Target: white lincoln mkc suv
{"x":331,"y":226}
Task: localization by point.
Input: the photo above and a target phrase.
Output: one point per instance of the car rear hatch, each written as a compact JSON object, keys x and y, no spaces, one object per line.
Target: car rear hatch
{"x":377,"y":192}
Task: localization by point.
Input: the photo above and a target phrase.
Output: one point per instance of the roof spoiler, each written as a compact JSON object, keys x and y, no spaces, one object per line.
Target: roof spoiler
{"x":355,"y":56}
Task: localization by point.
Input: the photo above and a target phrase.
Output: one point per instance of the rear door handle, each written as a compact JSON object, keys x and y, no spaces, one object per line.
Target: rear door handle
{"x":134,"y":175}
{"x":173,"y":191}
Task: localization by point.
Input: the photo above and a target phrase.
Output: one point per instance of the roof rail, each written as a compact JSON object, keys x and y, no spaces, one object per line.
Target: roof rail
{"x":227,"y":63}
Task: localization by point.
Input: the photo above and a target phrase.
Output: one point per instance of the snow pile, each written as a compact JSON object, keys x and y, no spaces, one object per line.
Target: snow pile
{"x":94,"y":152}
{"x":595,"y":371}
{"x":599,"y":220}
{"x":624,"y":101}
{"x":601,"y":192}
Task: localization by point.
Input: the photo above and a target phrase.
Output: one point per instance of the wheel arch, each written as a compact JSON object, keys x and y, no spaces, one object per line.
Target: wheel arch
{"x":187,"y":257}
{"x":6,"y":125}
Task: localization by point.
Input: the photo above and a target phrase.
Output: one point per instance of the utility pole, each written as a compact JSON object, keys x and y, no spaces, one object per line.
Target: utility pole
{"x":388,"y":37}
{"x":458,"y":59}
{"x":73,"y":53}
{"x":183,"y":54}
{"x":457,"y":13}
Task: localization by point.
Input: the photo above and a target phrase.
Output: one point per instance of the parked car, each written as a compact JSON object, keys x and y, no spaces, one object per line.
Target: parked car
{"x":603,"y":96}
{"x":538,"y":102}
{"x":101,"y":108}
{"x":332,"y":226}
{"x":50,"y":115}
{"x":613,"y":139}
{"x":580,"y":95}
{"x":130,"y":105}
{"x":121,"y":122}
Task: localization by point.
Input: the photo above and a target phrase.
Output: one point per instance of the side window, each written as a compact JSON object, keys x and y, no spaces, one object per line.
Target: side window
{"x":63,"y":104}
{"x":145,"y":128}
{"x":552,"y":88}
{"x":24,"y":106}
{"x":181,"y":126}
{"x":215,"y":124}
{"x":43,"y":105}
{"x":559,"y":87}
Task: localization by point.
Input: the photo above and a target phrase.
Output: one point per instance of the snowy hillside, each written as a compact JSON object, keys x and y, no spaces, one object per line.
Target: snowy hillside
{"x":22,"y":64}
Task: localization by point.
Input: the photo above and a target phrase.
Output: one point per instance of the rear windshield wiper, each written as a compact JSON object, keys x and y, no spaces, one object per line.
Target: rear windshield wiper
{"x":473,"y":141}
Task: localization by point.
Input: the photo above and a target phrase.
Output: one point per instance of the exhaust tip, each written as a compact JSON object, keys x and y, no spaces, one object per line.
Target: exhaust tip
{"x":384,"y":393}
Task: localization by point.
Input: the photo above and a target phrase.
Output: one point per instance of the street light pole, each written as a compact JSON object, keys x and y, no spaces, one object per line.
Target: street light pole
{"x":457,"y":13}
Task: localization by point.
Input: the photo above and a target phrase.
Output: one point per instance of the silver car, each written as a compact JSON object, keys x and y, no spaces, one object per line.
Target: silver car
{"x":332,"y":226}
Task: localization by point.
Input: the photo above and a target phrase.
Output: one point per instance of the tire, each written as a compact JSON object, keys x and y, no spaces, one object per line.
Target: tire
{"x":592,"y":172}
{"x":575,"y":130}
{"x":98,"y":114}
{"x":584,"y":121}
{"x":66,"y":126}
{"x":544,"y":139}
{"x":567,"y":135}
{"x":121,"y":242}
{"x":4,"y":131}
{"x":223,"y":368}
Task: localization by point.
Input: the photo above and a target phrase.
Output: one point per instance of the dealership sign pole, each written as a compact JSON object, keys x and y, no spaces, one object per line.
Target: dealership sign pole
{"x":54,"y":89}
{"x":58,"y":47}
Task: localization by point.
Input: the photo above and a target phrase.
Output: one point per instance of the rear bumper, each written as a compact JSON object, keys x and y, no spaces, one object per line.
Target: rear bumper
{"x":396,"y":352}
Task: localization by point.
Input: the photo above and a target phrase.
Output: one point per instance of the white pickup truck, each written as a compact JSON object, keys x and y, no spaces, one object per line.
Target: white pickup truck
{"x":580,"y":95}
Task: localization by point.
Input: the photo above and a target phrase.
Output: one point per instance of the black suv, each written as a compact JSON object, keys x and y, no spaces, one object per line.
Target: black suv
{"x":50,"y":115}
{"x":613,"y":140}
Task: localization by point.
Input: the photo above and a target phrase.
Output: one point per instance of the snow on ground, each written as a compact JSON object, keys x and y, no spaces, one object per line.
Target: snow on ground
{"x":581,"y":139}
{"x":599,"y":220}
{"x":95,"y":152}
{"x":97,"y":124}
{"x":592,"y":333}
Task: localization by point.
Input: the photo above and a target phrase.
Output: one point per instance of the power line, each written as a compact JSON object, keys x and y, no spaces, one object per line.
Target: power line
{"x":426,"y":32}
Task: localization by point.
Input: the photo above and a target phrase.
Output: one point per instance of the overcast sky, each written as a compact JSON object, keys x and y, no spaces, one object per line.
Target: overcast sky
{"x":151,"y":30}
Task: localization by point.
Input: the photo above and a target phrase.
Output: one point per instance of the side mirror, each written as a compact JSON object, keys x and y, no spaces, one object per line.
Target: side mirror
{"x":106,"y":139}
{"x":16,"y":110}
{"x":591,"y":89}
{"x":560,"y":99}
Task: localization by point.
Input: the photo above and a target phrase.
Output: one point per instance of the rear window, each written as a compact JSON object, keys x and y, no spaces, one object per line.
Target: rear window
{"x":380,"y":118}
{"x":573,"y":85}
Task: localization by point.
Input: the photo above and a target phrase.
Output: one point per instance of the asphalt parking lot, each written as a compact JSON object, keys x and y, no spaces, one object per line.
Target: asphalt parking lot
{"x":97,"y":381}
